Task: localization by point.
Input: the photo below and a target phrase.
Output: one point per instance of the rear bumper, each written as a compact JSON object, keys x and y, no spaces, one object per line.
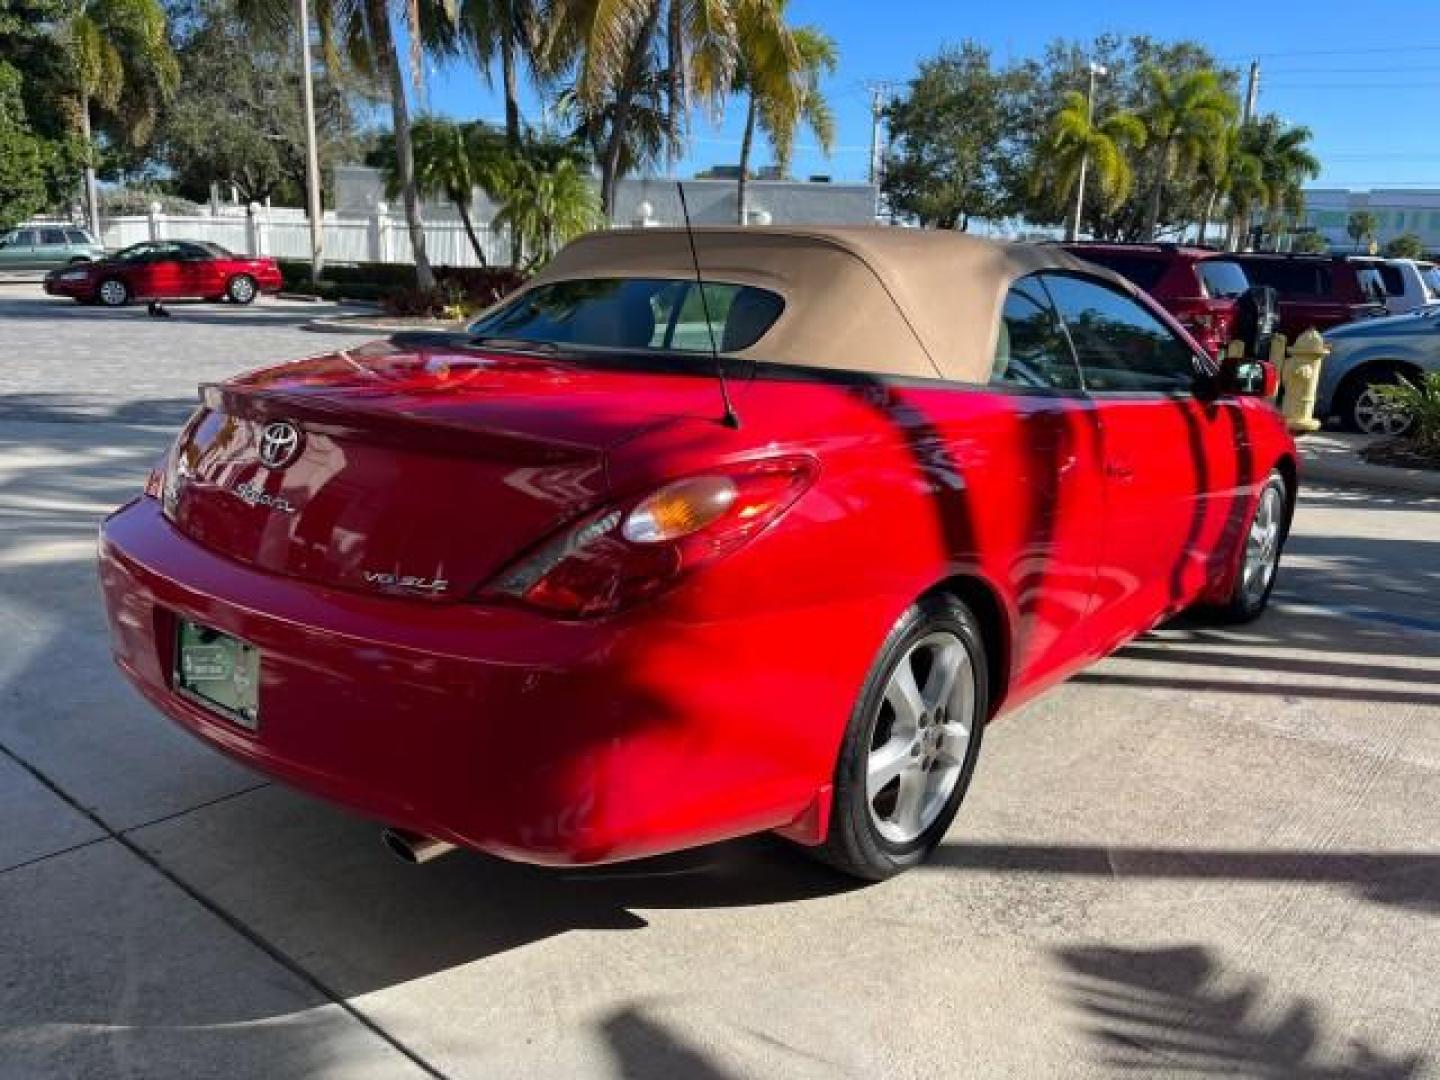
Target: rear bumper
{"x":493,"y":728}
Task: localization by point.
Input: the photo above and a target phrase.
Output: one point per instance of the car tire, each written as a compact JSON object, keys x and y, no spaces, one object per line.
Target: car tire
{"x":1357,"y":404}
{"x":1258,"y":560}
{"x":241,"y":289}
{"x":112,"y":292}
{"x":903,"y":772}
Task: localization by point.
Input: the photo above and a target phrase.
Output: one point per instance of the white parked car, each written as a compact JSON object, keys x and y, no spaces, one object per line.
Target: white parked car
{"x":1408,"y":284}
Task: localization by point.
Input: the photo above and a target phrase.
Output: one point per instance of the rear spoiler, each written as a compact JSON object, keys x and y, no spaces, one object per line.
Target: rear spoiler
{"x":429,"y":430}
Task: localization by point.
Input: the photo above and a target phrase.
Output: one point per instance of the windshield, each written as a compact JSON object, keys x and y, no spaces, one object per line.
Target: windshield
{"x":1222,"y":278}
{"x":657,"y":314}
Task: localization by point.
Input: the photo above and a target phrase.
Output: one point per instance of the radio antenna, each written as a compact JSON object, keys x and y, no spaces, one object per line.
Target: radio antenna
{"x":730,"y":418}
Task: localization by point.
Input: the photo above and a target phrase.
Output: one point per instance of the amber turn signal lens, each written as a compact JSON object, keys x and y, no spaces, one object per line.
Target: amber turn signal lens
{"x":679,"y":509}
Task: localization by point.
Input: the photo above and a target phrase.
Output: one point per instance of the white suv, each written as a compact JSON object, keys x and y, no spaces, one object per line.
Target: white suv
{"x":1408,"y":284}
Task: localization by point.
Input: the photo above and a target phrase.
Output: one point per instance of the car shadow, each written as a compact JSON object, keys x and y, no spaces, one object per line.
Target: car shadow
{"x":1404,"y":879}
{"x":1178,"y":1010}
{"x":264,"y":312}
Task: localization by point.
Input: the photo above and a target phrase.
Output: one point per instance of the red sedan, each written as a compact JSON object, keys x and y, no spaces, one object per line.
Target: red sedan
{"x":570,"y":588}
{"x":167,"y":270}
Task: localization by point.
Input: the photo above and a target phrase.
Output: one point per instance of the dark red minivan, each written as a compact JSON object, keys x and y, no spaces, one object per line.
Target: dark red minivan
{"x":1315,"y":291}
{"x":1196,"y":285}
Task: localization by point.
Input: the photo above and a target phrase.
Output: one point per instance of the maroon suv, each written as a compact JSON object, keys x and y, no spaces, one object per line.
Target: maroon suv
{"x":1318,"y":291}
{"x":1200,"y":287}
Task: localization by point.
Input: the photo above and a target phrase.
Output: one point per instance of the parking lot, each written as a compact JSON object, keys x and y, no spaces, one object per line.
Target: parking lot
{"x":1215,"y":853}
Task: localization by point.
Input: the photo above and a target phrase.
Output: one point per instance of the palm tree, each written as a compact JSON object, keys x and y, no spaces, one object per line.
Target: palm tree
{"x":545,"y":205}
{"x":1286,"y":163}
{"x":506,"y":30}
{"x":646,"y":136}
{"x":779,"y":70}
{"x":123,"y":68}
{"x":362,"y":30}
{"x":613,"y":48}
{"x":1075,"y":138}
{"x":1240,"y":183}
{"x":1360,"y":227}
{"x":1183,"y":116}
{"x":1271,"y":162}
{"x":451,"y":161}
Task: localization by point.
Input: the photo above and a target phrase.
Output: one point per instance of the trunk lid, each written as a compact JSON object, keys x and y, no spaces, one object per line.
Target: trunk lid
{"x":416,"y":471}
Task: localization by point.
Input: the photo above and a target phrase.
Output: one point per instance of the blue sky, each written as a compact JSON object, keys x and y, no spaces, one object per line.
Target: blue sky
{"x":1366,"y":84}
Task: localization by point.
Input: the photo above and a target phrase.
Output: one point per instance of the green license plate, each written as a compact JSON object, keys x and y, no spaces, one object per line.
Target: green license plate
{"x":220,"y":672}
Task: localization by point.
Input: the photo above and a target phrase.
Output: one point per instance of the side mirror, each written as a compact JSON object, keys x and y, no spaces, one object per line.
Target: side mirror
{"x":1244,"y":376}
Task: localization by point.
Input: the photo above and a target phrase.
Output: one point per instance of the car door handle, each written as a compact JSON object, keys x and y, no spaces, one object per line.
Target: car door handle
{"x":1119,"y":470}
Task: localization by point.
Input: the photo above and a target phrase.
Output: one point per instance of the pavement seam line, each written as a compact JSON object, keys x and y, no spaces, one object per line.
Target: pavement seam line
{"x":232,"y":921}
{"x":109,"y":833}
{"x":53,"y":854}
{"x":193,"y":809}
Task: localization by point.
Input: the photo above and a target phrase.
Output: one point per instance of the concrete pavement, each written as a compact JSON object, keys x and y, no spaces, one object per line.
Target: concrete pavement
{"x":1214,"y":853}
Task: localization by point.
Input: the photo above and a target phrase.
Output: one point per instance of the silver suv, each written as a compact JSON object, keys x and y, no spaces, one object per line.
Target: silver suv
{"x":45,"y":247}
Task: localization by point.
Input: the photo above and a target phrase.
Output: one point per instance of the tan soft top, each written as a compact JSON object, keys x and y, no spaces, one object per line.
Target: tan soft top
{"x":891,"y":301}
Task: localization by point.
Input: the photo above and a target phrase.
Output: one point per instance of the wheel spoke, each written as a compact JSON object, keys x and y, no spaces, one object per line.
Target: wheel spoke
{"x":910,"y":802}
{"x":886,"y":763}
{"x":948,"y":659}
{"x":904,"y":697}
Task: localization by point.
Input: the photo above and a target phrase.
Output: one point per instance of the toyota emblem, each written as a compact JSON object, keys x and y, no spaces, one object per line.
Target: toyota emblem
{"x":279,"y":444}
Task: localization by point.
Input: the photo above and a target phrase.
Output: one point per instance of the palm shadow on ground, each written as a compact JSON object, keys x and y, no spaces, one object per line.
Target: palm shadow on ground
{"x":1177,"y":1010}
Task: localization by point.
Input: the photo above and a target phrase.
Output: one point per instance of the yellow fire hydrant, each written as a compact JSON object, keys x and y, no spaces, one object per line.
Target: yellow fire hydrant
{"x":1301,"y":377}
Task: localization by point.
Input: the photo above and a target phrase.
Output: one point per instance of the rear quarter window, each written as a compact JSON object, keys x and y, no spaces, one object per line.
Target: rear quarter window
{"x":1222,"y":277}
{"x":638,"y":314}
{"x":1142,"y":271}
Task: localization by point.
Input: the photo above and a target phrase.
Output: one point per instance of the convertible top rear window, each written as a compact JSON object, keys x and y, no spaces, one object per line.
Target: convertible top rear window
{"x":659,"y":314}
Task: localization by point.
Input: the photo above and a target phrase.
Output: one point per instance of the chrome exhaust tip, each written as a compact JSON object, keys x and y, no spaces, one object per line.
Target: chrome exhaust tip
{"x":414,"y":848}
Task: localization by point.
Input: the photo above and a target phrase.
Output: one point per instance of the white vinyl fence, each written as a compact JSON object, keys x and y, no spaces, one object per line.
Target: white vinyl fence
{"x":380,"y":237}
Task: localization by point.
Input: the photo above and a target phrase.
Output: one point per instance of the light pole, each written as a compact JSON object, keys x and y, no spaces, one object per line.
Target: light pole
{"x":314,"y":207}
{"x":1073,"y":232}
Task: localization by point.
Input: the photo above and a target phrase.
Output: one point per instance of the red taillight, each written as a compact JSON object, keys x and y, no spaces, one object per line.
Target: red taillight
{"x":624,"y":554}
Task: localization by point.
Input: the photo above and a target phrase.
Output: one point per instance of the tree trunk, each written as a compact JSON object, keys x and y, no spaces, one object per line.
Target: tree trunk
{"x":404,"y":152}
{"x":92,"y":190}
{"x":512,"y":109}
{"x":620,"y":123}
{"x":742,"y":191}
{"x":1205,"y":214}
{"x":1157,"y":191}
{"x":470,"y":230}
{"x":512,"y":89}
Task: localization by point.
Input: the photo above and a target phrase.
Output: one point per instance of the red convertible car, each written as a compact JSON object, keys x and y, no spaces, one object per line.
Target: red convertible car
{"x":576,"y":586}
{"x":167,"y":270}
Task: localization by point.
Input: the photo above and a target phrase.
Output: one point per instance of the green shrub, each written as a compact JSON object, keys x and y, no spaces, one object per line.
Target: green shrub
{"x":1420,"y":399}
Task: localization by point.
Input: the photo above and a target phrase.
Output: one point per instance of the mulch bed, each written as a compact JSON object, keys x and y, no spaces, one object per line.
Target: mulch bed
{"x":1401,"y":453}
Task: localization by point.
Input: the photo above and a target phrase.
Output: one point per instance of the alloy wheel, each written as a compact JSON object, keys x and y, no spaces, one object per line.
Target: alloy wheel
{"x":1374,"y":416}
{"x":1262,"y":545}
{"x":921,"y":737}
{"x":242,"y":289}
{"x":113,"y":293}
